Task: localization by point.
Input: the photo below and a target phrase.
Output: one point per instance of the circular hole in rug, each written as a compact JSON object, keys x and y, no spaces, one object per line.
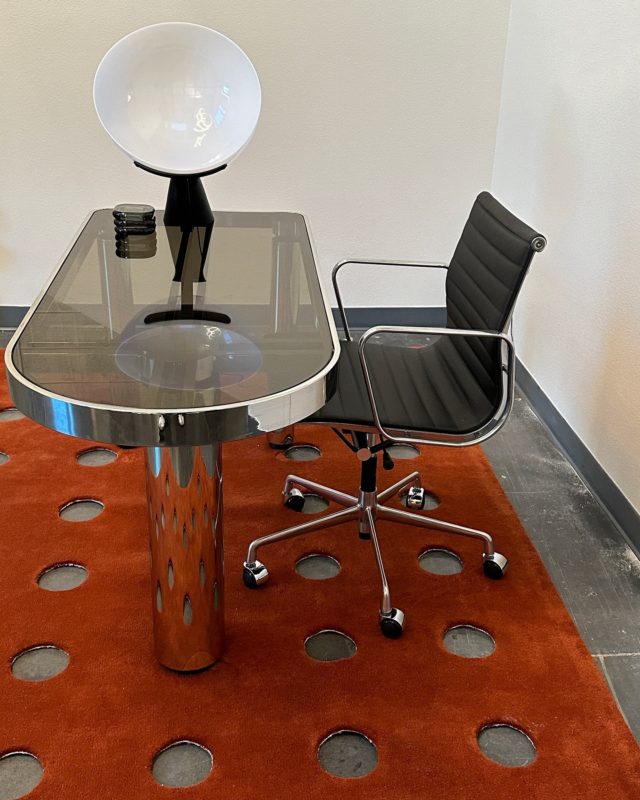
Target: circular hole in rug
{"x":81,"y":510}
{"x":20,"y":773}
{"x":403,"y":451}
{"x":318,"y":566}
{"x":10,"y":414}
{"x":330,"y":645}
{"x":439,"y":561}
{"x":62,"y":577}
{"x":182,"y":763}
{"x":39,"y":663}
{"x":314,"y":504}
{"x":507,"y":745}
{"x":469,"y":641}
{"x":430,"y":502}
{"x":348,"y":754}
{"x":96,"y":457}
{"x":302,"y":452}
{"x":3,"y":457}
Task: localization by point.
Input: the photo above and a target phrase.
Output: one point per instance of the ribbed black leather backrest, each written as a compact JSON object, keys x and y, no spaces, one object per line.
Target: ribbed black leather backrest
{"x":484,"y":278}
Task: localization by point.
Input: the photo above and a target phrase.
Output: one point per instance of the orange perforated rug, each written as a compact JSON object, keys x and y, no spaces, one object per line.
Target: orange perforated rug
{"x":264,"y":709}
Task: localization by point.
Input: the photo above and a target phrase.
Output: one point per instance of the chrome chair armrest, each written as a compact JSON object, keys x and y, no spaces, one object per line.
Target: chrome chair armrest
{"x":452,"y":440}
{"x":373,"y":262}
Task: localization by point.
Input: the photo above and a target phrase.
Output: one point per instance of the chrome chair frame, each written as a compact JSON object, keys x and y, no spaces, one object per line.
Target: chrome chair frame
{"x":369,"y":505}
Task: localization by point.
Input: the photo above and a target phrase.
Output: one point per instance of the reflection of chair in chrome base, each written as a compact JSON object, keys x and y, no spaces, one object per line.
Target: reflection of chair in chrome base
{"x":453,"y":387}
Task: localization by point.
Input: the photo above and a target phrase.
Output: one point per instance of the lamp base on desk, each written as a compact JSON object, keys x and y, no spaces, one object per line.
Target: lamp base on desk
{"x":187,"y":204}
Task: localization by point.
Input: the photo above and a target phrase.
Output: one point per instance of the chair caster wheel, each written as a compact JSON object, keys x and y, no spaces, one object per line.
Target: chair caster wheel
{"x":294,"y":499}
{"x":392,"y":624}
{"x":495,"y":566}
{"x":254,"y":575}
{"x":416,"y":497}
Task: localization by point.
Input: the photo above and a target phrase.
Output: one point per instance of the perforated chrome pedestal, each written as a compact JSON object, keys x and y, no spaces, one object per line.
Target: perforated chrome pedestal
{"x":184,"y":493}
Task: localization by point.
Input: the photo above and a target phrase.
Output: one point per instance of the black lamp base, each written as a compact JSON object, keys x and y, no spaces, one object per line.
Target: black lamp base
{"x":187,"y":203}
{"x":187,"y":209}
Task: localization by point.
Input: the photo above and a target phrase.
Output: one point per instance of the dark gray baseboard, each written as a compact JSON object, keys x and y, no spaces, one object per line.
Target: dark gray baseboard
{"x":601,"y":485}
{"x":621,"y":511}
{"x":11,"y":316}
{"x":361,"y":318}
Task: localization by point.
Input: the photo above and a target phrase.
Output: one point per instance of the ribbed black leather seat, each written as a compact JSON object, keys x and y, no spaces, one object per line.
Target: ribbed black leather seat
{"x":425,"y":389}
{"x":454,"y":385}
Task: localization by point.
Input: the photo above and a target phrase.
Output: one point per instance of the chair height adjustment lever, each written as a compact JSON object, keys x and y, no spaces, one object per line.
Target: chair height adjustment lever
{"x":387,"y":461}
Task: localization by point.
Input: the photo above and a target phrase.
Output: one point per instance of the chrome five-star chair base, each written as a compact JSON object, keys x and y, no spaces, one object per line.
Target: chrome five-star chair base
{"x":365,"y":509}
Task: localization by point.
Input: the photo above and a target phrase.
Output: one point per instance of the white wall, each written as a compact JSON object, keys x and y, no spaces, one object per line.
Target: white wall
{"x":378,"y":122}
{"x":568,"y":159}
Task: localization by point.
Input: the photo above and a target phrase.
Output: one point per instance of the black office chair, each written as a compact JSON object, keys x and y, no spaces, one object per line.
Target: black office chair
{"x":454,"y":389}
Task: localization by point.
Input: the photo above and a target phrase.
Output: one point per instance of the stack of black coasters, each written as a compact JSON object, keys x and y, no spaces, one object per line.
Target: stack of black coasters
{"x":135,"y":226}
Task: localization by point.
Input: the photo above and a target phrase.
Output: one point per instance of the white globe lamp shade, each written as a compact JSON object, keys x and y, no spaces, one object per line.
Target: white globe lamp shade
{"x":178,"y":98}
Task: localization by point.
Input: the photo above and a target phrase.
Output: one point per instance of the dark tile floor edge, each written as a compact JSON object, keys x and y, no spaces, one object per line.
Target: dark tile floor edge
{"x":592,"y":564}
{"x":614,"y":502}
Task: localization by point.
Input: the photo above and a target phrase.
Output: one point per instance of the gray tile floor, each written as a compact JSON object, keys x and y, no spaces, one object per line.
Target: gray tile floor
{"x":594,"y":568}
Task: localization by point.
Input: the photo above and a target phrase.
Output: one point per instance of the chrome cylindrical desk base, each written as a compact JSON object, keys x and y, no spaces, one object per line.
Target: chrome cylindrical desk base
{"x":184,"y":500}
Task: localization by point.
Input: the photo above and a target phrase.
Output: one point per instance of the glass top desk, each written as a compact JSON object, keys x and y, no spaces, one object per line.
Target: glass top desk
{"x":178,"y":341}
